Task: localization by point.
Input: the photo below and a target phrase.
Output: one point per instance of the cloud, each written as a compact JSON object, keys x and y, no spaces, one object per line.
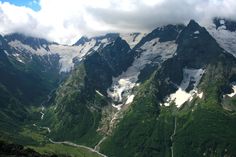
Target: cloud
{"x":65,"y":21}
{"x":21,"y":19}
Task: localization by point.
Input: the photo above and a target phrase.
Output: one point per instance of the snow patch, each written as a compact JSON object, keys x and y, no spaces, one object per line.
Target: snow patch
{"x":222,"y":22}
{"x":104,"y":41}
{"x":234,"y":91}
{"x":17,"y":56}
{"x":120,"y":85}
{"x":42,"y":115}
{"x":200,"y":95}
{"x":42,"y":112}
{"x":129,"y":99}
{"x":196,"y":32}
{"x":181,"y":95}
{"x":191,"y":75}
{"x":42,"y":108}
{"x":118,"y":107}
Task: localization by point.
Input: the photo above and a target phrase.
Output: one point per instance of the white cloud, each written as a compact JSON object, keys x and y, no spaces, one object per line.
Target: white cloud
{"x":64,"y":21}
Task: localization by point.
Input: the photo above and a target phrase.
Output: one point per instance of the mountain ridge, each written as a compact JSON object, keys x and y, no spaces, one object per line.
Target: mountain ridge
{"x":142,"y":100}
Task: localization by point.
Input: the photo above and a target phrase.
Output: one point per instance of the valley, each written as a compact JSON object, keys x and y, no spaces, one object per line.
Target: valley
{"x":168,"y":93}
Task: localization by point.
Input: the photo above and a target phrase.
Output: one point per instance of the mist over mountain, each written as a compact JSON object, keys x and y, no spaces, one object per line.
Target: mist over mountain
{"x":67,"y":20}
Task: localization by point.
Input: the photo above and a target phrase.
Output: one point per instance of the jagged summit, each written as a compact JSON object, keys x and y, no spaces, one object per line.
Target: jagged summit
{"x":192,"y":31}
{"x":81,"y":41}
{"x":165,"y":33}
{"x":131,"y":38}
{"x":193,"y":24}
{"x":109,"y":37}
{"x":196,"y":46}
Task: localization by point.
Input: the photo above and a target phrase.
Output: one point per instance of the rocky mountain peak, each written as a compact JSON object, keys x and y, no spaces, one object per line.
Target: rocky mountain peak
{"x":165,"y":33}
{"x":81,"y":41}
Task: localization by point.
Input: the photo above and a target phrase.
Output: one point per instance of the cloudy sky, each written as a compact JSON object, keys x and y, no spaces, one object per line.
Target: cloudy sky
{"x":65,"y":21}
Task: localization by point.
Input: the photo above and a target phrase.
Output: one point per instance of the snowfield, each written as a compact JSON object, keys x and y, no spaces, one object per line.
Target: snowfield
{"x":181,"y":95}
{"x":121,"y":89}
{"x":67,"y":53}
{"x":226,"y":39}
{"x":27,"y":49}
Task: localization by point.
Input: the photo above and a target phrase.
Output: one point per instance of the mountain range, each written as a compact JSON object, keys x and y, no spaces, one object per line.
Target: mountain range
{"x":170,"y":92}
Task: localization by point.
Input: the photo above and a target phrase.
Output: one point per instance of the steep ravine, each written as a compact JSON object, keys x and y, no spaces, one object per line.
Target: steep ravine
{"x":171,"y":138}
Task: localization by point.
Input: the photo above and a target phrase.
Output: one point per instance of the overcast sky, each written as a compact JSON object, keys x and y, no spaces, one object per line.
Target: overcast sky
{"x":65,"y":21}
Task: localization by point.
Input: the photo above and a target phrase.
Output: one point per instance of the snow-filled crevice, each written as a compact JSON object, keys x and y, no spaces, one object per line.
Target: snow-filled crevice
{"x":191,"y":77}
{"x":99,"y":93}
{"x":42,"y":112}
{"x":6,"y":53}
{"x":234,"y":90}
{"x":121,"y":88}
